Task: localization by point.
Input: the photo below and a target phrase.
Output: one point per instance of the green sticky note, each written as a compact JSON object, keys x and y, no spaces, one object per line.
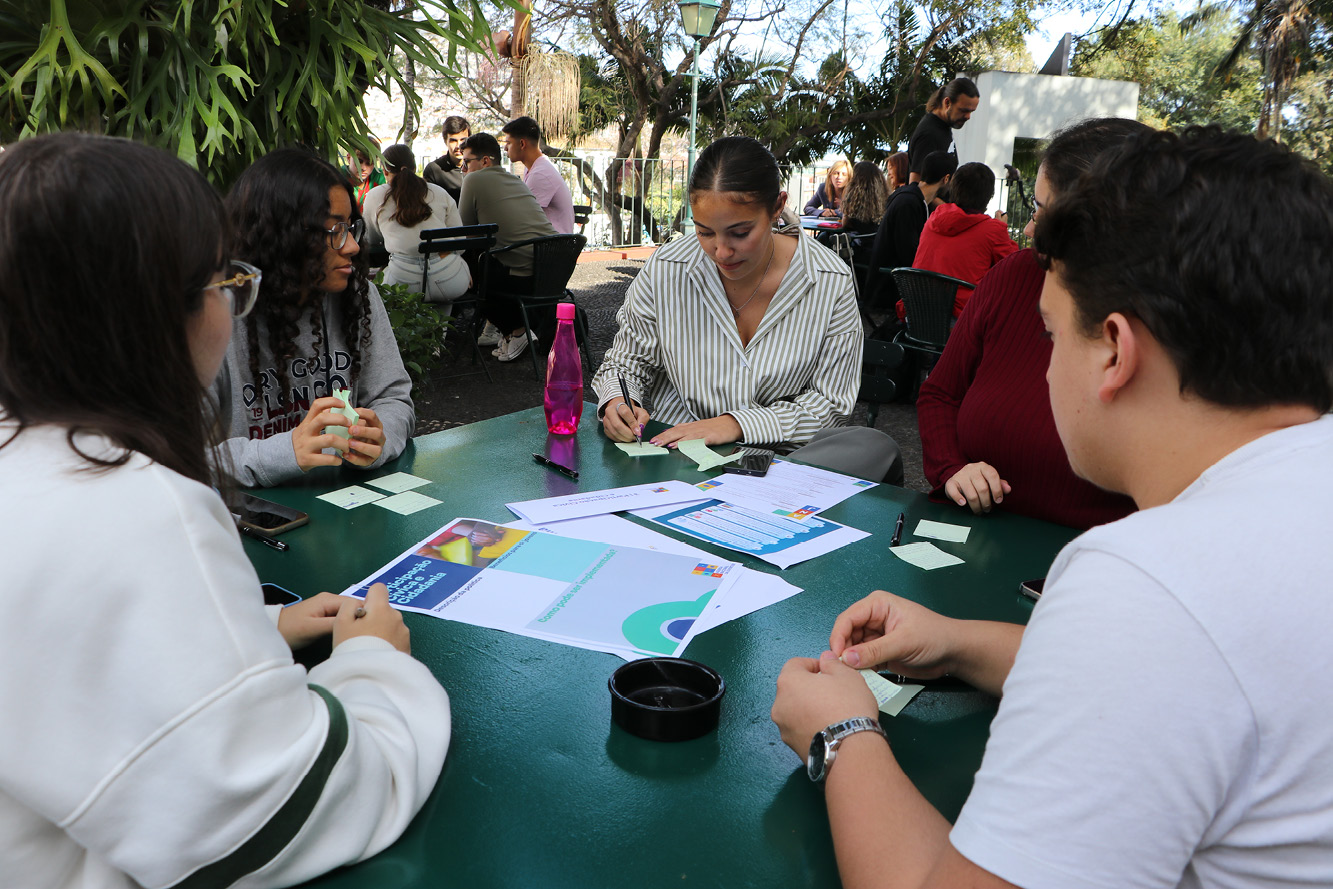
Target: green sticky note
{"x":346,"y":410}
{"x":641,"y":449}
{"x":890,"y":696}
{"x":701,"y":453}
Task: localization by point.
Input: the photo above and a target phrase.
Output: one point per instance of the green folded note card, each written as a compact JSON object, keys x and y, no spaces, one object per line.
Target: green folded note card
{"x":346,"y":410}
{"x":641,"y":449}
{"x":701,"y":453}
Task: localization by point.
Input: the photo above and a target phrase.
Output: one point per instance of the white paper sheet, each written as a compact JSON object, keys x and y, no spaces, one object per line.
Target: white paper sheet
{"x":586,"y":503}
{"x":789,"y":488}
{"x":778,"y":539}
{"x":752,"y":590}
{"x":890,"y":696}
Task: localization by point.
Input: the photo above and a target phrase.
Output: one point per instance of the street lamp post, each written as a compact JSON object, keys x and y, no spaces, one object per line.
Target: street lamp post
{"x":697,"y":18}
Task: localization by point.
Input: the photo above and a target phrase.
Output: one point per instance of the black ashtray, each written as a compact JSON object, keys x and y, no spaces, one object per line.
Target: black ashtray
{"x":666,"y":698}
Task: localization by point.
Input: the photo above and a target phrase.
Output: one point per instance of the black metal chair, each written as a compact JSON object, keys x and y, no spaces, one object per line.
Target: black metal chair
{"x":553,"y":260}
{"x":479,"y":238}
{"x":582,"y":213}
{"x":878,"y":368}
{"x":928,"y":300}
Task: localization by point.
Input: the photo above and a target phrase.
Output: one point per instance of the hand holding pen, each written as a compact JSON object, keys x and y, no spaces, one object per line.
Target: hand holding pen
{"x":373,"y":617}
{"x":623,"y":423}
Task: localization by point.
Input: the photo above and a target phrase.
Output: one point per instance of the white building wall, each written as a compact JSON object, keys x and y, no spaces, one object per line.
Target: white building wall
{"x":1033,"y":106}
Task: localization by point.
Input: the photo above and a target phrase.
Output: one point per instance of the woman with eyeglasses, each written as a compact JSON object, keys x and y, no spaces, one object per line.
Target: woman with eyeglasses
{"x":156,"y":730}
{"x":318,"y":326}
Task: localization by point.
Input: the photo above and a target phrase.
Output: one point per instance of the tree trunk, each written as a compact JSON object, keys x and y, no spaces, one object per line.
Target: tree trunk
{"x":409,"y":132}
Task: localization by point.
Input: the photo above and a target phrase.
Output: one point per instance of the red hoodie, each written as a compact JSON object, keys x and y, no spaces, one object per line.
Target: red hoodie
{"x":961,"y":245}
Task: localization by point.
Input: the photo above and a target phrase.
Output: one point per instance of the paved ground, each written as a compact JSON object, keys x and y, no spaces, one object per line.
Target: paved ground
{"x":459,"y":392}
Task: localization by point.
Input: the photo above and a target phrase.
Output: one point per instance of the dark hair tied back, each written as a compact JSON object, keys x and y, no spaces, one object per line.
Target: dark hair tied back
{"x":738,"y":166}
{"x":408,"y":191}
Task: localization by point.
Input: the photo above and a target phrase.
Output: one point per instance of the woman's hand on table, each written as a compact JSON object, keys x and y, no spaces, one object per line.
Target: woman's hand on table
{"x":714,"y":431}
{"x":309,"y":440}
{"x":367,"y":441}
{"x":885,"y":631}
{"x":977,"y":486}
{"x":828,"y":211}
{"x":308,"y":620}
{"x":814,"y":694}
{"x":619,"y":420}
{"x":378,"y":618}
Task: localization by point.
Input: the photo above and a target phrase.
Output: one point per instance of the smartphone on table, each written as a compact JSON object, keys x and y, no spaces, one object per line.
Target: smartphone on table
{"x":754,"y":462}
{"x":264,"y":517}
{"x":1032,"y":588}
{"x":276,"y":595}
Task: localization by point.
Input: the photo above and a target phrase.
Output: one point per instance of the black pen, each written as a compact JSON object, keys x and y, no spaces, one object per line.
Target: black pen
{"x":898,"y":530}
{"x":945,"y":681}
{"x":263,"y":538}
{"x":624,"y":393}
{"x":551,"y":464}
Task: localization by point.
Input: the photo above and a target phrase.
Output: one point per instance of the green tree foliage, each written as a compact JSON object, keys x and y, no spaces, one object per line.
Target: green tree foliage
{"x":218,"y":82}
{"x":1175,"y":72}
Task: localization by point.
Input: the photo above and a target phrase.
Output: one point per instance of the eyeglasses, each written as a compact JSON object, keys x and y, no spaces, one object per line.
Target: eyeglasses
{"x":242,"y":288}
{"x":337,"y":236}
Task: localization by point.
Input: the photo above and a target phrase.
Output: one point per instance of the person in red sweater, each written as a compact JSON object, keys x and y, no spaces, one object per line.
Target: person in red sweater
{"x":987,"y":433}
{"x":960,"y":239}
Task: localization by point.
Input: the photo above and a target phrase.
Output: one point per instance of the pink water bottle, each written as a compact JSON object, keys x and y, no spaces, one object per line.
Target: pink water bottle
{"x":564,"y":376}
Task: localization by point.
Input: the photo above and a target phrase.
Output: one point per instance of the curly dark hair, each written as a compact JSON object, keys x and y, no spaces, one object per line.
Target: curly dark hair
{"x":106,"y":248}
{"x":279,"y":208}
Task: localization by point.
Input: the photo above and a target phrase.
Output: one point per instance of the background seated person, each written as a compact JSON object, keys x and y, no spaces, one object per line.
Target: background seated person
{"x":739,"y":334}
{"x":827,"y":200}
{"x":987,"y":433}
{"x":899,"y":231}
{"x":895,"y":170}
{"x":446,"y":170}
{"x":493,"y":194}
{"x":397,"y":214}
{"x":960,"y":239}
{"x":863,"y":205}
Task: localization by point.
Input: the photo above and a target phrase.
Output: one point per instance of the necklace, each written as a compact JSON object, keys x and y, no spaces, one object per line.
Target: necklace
{"x":772,"y":251}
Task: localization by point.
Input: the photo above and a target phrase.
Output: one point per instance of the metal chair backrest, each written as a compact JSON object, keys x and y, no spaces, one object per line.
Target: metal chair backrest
{"x":553,"y":260}
{"x":928,"y":300}
{"x":582,"y":213}
{"x":460,"y":237}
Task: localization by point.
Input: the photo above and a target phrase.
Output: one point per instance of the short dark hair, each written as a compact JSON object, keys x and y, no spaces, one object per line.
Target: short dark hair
{"x":106,"y":247}
{"x":483,"y":145}
{"x":959,"y":86}
{"x":739,"y":166}
{"x":454,"y":124}
{"x":1073,"y":149}
{"x":1218,"y":244}
{"x":937,"y":165}
{"x":524,"y":128}
{"x":972,"y":187}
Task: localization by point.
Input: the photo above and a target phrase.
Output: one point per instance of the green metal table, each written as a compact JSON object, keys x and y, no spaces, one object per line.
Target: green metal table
{"x":539,"y":788}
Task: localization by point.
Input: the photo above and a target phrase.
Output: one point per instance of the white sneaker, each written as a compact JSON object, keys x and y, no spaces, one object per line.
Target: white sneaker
{"x":512,"y":346}
{"x":490,"y":336}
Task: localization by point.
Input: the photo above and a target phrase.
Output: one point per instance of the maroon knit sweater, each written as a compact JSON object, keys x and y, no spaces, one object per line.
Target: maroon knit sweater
{"x":987,"y":401}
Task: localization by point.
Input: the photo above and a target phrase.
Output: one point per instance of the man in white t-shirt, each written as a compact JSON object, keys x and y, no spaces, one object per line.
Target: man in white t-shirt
{"x":1164,"y":719}
{"x":522,"y":142}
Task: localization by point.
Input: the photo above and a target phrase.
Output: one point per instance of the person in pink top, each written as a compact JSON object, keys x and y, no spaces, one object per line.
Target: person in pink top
{"x":960,"y":239}
{"x":523,"y":145}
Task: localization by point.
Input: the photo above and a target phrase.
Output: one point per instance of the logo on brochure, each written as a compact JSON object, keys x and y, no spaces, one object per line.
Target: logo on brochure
{"x":704,"y":486}
{"x":863,"y":484}
{"x":707,"y":570}
{"x":660,"y":490}
{"x":803,"y":513}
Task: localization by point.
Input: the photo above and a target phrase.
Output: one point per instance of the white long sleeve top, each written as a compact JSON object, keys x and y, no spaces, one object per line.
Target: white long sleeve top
{"x":155,"y":729}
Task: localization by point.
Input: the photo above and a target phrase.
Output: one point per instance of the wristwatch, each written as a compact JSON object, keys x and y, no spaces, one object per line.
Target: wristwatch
{"x":824,"y":747}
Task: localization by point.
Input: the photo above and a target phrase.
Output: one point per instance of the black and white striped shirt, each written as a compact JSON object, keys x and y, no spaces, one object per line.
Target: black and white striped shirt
{"x":679,"y":350}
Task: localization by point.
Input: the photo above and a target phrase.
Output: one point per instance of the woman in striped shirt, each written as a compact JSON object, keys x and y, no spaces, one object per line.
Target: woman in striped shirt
{"x":737,"y":334}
